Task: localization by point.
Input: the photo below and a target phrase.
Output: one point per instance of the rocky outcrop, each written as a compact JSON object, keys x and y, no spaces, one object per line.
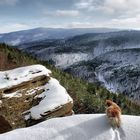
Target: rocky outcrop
{"x":22,"y":92}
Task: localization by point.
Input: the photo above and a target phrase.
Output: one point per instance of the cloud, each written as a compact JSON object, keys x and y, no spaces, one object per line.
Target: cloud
{"x":67,"y":13}
{"x":8,"y":2}
{"x":80,"y":25}
{"x":88,"y":4}
{"x":72,"y":25}
{"x":83,"y":4}
{"x":127,"y":23}
{"x":114,"y":7}
{"x":13,"y":27}
{"x":62,"y":13}
{"x":122,"y":7}
{"x":115,"y":13}
{"x":122,"y":4}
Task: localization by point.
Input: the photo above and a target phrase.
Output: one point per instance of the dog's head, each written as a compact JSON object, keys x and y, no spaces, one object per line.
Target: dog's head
{"x":108,"y":103}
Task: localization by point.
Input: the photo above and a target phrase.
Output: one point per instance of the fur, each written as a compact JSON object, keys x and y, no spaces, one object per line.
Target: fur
{"x":113,"y":112}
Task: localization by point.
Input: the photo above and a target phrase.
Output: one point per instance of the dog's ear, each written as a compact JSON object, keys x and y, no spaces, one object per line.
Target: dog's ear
{"x":108,"y":102}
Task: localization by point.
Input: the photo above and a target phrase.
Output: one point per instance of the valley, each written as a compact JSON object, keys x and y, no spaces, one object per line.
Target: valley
{"x":111,"y":59}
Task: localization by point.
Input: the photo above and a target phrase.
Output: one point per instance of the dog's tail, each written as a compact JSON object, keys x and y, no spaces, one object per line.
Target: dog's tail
{"x":114,"y":117}
{"x":115,"y":122}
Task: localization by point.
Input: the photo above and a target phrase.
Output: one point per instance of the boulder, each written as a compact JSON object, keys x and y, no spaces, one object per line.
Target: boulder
{"x":29,"y":95}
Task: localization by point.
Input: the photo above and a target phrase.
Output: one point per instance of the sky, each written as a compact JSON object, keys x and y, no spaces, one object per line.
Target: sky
{"x":26,"y":14}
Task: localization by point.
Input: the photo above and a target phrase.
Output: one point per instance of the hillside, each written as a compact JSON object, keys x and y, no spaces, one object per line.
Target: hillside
{"x":12,"y":58}
{"x":79,"y":127}
{"x":88,"y":98}
{"x":100,"y":57}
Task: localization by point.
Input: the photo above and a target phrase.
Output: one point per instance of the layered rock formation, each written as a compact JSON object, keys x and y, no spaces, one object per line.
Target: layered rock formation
{"x":29,"y":95}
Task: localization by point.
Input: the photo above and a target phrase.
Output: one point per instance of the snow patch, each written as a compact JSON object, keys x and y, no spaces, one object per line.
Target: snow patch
{"x":15,"y":42}
{"x":109,"y":85}
{"x":66,"y":59}
{"x":11,"y":95}
{"x":23,"y":74}
{"x":32,"y":91}
{"x":38,"y":35}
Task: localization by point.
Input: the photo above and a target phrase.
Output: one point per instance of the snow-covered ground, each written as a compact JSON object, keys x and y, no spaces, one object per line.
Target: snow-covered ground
{"x":79,"y":127}
{"x":23,"y":74}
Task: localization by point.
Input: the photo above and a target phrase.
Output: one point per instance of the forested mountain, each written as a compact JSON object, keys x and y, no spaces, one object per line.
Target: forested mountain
{"x":109,"y":58}
{"x":20,"y":37}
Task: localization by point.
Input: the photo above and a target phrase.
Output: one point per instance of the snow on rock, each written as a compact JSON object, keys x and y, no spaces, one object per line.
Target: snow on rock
{"x":11,"y":95}
{"x":19,"y":75}
{"x":79,"y":127}
{"x":53,"y":97}
{"x":30,"y":95}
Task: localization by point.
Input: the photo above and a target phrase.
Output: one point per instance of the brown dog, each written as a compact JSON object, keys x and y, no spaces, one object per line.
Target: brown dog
{"x":113,"y":112}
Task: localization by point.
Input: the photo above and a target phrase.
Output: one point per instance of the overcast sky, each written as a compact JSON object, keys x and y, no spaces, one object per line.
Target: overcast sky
{"x":26,"y":14}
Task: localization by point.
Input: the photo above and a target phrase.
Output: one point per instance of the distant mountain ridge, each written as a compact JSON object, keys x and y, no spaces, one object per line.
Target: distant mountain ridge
{"x":25,"y":36}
